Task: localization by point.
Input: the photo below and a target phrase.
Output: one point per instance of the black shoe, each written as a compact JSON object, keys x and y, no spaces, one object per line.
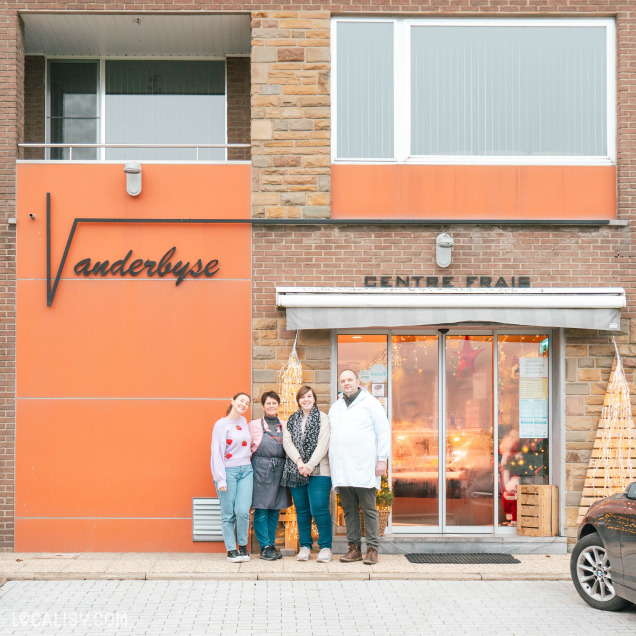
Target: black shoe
{"x":243,"y":553}
{"x":276,"y":552}
{"x":234,"y":556}
{"x":268,"y":554}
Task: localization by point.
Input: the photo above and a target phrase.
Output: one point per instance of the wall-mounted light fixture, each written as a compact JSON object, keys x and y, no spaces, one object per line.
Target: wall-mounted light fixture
{"x":133,"y":178}
{"x":443,"y":246}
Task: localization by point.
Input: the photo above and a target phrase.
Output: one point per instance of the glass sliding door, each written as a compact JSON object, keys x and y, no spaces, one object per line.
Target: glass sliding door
{"x":469,"y":415}
{"x":415,"y":431}
{"x":469,"y":428}
{"x":73,"y":108}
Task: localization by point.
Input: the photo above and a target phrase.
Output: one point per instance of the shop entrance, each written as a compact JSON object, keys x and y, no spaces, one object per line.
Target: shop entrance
{"x":453,"y":399}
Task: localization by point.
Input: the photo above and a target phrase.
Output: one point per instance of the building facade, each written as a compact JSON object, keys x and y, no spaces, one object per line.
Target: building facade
{"x":438,"y":196}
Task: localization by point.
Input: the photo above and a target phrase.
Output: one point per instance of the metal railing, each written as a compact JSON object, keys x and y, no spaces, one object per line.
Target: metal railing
{"x":143,"y":146}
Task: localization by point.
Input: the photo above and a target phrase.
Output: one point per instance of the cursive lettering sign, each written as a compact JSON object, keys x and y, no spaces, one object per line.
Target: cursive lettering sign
{"x":162,"y":268}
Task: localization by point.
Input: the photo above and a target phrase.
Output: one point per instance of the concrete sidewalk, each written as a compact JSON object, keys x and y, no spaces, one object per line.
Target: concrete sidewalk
{"x":132,"y":566}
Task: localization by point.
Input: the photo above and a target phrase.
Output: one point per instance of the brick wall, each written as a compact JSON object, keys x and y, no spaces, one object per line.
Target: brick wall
{"x":342,"y":256}
{"x":238,"y":106}
{"x":34,"y":97}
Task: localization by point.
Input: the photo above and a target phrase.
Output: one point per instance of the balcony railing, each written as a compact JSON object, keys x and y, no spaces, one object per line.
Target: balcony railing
{"x":195,"y":147}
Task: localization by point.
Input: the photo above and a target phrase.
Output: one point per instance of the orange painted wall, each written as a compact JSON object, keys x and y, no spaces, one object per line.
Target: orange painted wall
{"x":473,"y":192}
{"x":119,"y":382}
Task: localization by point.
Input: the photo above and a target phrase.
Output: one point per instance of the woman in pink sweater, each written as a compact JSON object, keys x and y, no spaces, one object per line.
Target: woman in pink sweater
{"x":232,"y":474}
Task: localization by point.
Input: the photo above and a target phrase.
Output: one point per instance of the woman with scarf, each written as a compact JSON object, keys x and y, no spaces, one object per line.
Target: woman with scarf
{"x":268,"y":462}
{"x":306,"y":442}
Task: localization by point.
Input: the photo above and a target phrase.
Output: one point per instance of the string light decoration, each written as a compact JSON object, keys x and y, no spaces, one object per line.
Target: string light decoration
{"x":611,"y":467}
{"x":290,"y":379}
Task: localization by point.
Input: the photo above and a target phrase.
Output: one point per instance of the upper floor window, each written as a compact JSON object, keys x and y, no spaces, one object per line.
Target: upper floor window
{"x":474,"y":91}
{"x":137,"y":102}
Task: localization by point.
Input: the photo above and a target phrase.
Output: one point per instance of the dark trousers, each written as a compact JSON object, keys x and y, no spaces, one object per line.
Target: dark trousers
{"x":353,"y":500}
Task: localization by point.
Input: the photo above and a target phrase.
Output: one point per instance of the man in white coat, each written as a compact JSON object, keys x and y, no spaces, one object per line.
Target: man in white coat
{"x":359,"y":448}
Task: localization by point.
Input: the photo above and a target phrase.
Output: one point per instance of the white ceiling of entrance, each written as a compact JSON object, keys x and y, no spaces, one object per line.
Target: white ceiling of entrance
{"x":205,"y":35}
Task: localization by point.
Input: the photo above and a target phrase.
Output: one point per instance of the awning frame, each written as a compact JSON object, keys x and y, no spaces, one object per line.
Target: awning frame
{"x":341,"y":307}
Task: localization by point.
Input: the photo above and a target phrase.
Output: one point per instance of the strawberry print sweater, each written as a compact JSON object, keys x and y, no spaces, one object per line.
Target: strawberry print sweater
{"x":230,"y":447}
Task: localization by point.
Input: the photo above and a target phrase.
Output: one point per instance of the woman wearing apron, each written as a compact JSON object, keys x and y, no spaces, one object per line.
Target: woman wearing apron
{"x":268,"y":461}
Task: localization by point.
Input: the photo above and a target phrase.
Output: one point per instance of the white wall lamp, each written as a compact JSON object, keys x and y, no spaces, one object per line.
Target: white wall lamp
{"x":133,"y":178}
{"x":443,"y":246}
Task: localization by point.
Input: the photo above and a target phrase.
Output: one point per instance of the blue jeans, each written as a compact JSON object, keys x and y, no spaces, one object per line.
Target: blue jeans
{"x":235,"y":505}
{"x":312,"y":500}
{"x":265,"y":524}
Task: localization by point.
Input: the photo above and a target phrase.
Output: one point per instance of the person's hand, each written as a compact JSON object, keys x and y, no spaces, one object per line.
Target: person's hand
{"x":380,"y":469}
{"x":222,"y":488}
{"x":305,"y":471}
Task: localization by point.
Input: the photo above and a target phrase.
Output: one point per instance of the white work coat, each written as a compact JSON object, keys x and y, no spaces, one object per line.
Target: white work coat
{"x":359,"y":439}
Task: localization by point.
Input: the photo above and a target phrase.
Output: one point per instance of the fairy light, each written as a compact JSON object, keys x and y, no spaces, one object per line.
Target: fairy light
{"x":611,"y":465}
{"x":290,"y":379}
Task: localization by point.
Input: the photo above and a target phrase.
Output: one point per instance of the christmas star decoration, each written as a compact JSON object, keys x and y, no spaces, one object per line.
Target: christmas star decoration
{"x":467,"y":356}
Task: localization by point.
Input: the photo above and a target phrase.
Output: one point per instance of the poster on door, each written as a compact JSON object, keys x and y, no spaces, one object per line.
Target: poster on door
{"x":533,"y":398}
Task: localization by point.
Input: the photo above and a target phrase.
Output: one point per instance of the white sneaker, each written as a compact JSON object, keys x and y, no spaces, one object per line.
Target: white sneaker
{"x":325,"y":555}
{"x":303,"y":554}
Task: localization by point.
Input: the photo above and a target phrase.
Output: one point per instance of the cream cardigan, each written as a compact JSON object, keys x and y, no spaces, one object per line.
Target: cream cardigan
{"x":320,"y":456}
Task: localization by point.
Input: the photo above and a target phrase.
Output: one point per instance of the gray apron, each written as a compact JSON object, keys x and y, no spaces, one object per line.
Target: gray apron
{"x":267,"y":463}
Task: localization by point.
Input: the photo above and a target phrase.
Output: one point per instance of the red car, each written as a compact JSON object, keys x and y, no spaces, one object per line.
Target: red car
{"x":603,"y":563}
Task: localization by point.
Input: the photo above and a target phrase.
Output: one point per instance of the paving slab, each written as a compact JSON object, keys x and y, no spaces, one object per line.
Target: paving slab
{"x":134,"y":566}
{"x":279,"y":608}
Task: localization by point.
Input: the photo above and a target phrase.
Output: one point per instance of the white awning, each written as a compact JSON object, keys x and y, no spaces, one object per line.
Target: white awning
{"x":361,"y":307}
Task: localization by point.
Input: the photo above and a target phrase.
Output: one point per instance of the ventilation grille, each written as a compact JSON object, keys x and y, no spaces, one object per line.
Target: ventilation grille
{"x":206,"y":519}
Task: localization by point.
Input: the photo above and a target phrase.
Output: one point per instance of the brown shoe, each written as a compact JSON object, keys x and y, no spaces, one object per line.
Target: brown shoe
{"x":354,"y":554}
{"x":371,"y":557}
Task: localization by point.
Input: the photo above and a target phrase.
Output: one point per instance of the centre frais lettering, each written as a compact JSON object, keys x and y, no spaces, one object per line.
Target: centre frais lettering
{"x":179,"y":270}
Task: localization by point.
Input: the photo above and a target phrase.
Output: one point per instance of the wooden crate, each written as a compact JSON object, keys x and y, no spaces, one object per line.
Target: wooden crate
{"x":537,"y":511}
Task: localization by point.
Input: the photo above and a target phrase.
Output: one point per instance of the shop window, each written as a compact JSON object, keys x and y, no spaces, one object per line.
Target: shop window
{"x":475,"y":91}
{"x":142,"y":102}
{"x":523,"y":417}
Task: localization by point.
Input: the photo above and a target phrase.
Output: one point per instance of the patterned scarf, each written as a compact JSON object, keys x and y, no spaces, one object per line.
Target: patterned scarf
{"x":305,"y":445}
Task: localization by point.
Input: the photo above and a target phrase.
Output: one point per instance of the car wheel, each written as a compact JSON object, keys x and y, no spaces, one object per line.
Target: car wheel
{"x":592,"y":574}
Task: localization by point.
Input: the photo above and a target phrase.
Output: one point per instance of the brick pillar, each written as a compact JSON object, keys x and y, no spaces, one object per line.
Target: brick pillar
{"x":11,"y":131}
{"x":291,"y":118}
{"x":238,"y":107}
{"x":34,"y":97}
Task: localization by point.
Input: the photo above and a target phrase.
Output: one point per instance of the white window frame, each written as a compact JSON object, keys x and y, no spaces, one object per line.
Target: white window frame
{"x":101,"y":100}
{"x":402,"y":93}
